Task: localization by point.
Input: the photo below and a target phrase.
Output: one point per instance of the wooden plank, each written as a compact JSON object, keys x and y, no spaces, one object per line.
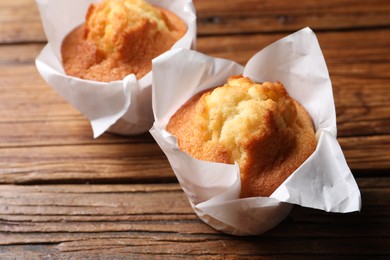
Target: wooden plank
{"x":22,"y":23}
{"x":141,"y":162}
{"x":320,"y":6}
{"x":51,"y":131}
{"x":249,"y":16}
{"x":125,"y":251}
{"x":250,"y":247}
{"x":358,"y":151}
{"x":85,"y":163}
{"x":240,"y":48}
{"x":125,"y":218}
{"x":29,"y":99}
{"x":13,"y":54}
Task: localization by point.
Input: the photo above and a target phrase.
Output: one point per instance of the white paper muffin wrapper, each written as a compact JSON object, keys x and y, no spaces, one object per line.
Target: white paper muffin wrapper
{"x":324,"y":181}
{"x":123,"y":106}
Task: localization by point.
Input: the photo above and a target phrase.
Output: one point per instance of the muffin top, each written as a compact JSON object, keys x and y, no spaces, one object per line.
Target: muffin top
{"x":110,"y":22}
{"x":241,"y":109}
{"x":119,"y":37}
{"x":259,"y":126}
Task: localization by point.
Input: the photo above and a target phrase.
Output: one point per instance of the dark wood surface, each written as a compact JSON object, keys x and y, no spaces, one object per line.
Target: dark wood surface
{"x":65,"y":195}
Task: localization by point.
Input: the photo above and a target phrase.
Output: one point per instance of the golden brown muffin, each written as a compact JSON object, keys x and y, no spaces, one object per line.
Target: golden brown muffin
{"x":260,"y":126}
{"x":119,"y":37}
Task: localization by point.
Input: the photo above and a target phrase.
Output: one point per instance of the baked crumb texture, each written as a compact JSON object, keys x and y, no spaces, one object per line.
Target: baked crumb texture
{"x":260,"y":126}
{"x":119,"y":37}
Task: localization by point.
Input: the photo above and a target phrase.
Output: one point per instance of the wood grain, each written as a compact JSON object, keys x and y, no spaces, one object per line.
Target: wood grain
{"x":252,"y":16}
{"x":20,"y":22}
{"x":145,"y":162}
{"x":88,"y":163}
{"x":359,"y":150}
{"x":75,"y":220}
{"x":228,"y":17}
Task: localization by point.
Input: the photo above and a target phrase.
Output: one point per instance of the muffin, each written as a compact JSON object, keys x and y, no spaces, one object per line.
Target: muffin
{"x":259,"y":126}
{"x":119,"y":37}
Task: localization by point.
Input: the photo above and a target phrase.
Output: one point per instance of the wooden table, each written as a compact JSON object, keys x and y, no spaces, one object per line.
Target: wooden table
{"x":65,"y":195}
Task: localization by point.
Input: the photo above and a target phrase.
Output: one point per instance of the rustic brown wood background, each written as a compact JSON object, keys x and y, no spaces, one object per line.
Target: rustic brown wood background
{"x":65,"y":195}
